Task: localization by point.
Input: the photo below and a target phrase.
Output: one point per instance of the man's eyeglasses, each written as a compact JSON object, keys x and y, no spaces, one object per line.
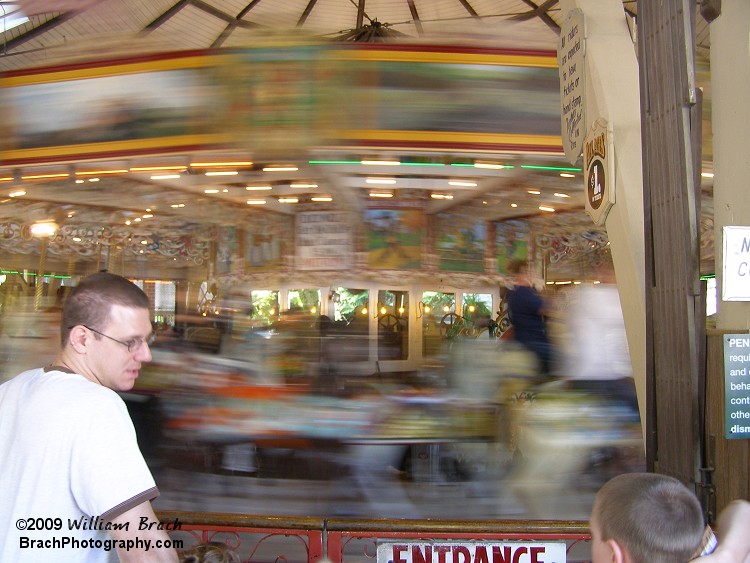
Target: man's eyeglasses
{"x":133,"y":344}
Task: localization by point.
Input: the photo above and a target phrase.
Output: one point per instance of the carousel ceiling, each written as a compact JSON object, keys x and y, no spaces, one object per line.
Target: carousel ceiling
{"x":176,"y":195}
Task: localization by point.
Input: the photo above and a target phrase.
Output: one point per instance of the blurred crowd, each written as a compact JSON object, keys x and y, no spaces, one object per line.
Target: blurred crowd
{"x":520,"y":429}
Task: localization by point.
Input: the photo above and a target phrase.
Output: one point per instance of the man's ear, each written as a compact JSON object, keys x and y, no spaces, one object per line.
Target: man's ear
{"x":619,"y":555}
{"x":77,"y":339}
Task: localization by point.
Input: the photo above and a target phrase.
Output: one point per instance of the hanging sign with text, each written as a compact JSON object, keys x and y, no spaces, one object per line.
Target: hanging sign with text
{"x":472,"y":552}
{"x":737,"y":386}
{"x":599,"y":171}
{"x":570,"y":62}
{"x":736,"y":273}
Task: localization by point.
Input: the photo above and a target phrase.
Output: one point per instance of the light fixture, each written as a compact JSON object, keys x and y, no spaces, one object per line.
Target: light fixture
{"x":211,"y":191}
{"x":534,"y":192}
{"x":256,"y":201}
{"x":380,"y":180}
{"x":380,"y":162}
{"x":298,"y":185}
{"x":321,"y":198}
{"x":707,"y":174}
{"x":288,"y":200}
{"x":422,"y":309}
{"x":99,"y":172}
{"x":45,"y":176}
{"x":567,"y":175}
{"x":280,"y":168}
{"x":381,"y":194}
{"x":179,"y":168}
{"x":441,"y":196}
{"x":514,"y":205}
{"x":220,"y":164}
{"x":560,"y":194}
{"x":44,"y":229}
{"x":148,"y":215}
{"x":547,"y":208}
{"x":462,"y":183}
{"x":165,"y":176}
{"x":222,"y":173}
{"x":93,"y":179}
{"x":17,"y":193}
{"x":80,"y":181}
{"x":258,"y":188}
{"x":488,"y":165}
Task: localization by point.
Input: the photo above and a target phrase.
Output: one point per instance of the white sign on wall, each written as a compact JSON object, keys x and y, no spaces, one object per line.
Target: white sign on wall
{"x":736,"y":273}
{"x":324,"y":241}
{"x":571,"y":49}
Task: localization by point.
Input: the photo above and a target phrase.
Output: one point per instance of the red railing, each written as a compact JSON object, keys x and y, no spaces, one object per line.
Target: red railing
{"x":275,"y":539}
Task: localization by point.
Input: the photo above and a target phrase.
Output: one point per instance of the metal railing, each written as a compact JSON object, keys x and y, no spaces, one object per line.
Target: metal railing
{"x":275,"y":539}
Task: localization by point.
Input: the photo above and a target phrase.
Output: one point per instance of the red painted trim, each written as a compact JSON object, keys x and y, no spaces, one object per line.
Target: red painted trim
{"x":148,"y":57}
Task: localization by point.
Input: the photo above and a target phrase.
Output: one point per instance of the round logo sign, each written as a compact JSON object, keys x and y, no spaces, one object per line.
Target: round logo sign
{"x":596,"y":184}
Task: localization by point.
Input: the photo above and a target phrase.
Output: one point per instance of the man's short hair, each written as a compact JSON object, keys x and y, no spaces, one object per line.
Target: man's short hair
{"x":91,"y":300}
{"x":655,"y":518}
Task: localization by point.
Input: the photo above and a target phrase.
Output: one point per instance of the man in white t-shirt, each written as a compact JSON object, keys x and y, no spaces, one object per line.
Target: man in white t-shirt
{"x":73,"y":483}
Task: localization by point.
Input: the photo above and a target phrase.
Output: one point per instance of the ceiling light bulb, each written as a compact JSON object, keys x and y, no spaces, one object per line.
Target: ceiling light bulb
{"x":380,"y":162}
{"x":287,"y":168}
{"x":165,"y":176}
{"x":380,"y":180}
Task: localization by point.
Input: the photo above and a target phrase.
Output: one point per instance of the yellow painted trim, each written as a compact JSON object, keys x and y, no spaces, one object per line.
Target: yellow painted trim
{"x":538,"y":61}
{"x":116,"y":146}
{"x":457,"y":138}
{"x":114,"y":70}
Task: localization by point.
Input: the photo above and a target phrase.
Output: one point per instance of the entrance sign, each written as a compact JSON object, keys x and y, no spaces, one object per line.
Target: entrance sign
{"x":599,"y":171}
{"x":571,"y":49}
{"x":736,"y":274}
{"x":736,"y":386}
{"x":472,"y":552}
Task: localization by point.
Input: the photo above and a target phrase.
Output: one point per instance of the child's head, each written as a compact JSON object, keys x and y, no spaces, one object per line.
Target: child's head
{"x":209,"y":552}
{"x":645,"y":518}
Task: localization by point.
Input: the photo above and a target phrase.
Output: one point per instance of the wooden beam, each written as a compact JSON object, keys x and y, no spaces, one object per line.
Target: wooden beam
{"x":541,"y":13}
{"x":415,"y":17}
{"x":360,"y":14}
{"x":469,"y":8}
{"x":306,"y":12}
{"x":179,"y":5}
